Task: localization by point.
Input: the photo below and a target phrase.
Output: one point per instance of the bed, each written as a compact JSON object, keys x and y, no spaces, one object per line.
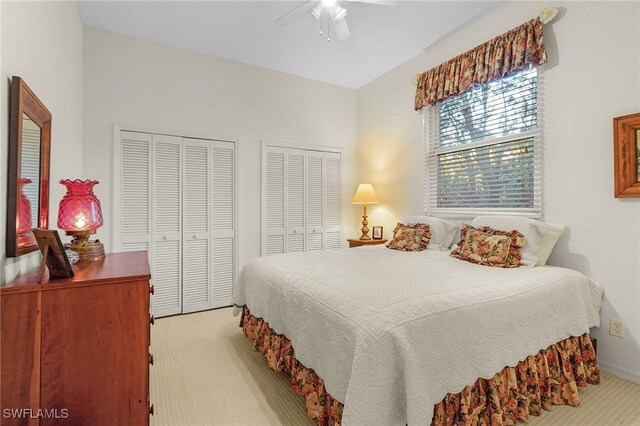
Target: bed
{"x":392,"y":333}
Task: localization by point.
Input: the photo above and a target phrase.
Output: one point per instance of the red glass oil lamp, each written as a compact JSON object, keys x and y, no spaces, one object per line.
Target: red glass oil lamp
{"x":24,"y":208}
{"x":80,"y":214}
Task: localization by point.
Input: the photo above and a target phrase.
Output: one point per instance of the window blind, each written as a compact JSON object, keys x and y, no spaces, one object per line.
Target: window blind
{"x":484,"y":150}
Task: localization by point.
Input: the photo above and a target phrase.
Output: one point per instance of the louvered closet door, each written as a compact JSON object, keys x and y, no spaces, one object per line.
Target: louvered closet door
{"x":315,"y":200}
{"x":274,"y":191}
{"x":333,"y":200}
{"x":295,"y":166}
{"x":223,"y":259}
{"x":167,"y":225}
{"x":196,"y":249}
{"x":135,"y":191}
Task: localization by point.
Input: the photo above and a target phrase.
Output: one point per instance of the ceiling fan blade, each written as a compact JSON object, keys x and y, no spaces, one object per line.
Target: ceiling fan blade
{"x":294,"y":13}
{"x":379,"y":2}
{"x":342,"y":29}
{"x":316,"y":11}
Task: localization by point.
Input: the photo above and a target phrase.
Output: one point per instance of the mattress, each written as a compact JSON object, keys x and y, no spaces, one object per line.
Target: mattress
{"x":391,"y":333}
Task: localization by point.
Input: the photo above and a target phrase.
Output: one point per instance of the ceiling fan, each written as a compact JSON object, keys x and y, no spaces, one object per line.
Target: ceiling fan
{"x":329,"y":12}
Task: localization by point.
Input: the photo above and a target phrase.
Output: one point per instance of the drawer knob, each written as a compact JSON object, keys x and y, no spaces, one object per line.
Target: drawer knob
{"x":151,"y":409}
{"x":151,"y":359}
{"x":152,"y":290}
{"x":152,"y":319}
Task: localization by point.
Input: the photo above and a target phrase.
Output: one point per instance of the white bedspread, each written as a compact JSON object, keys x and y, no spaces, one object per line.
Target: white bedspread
{"x":392,"y":332}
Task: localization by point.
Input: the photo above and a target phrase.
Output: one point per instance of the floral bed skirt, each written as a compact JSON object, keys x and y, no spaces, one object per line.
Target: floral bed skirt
{"x":552,"y":376}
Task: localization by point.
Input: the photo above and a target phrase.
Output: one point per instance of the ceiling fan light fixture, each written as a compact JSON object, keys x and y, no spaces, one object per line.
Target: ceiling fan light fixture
{"x":316,"y":12}
{"x":341,"y":12}
{"x":335,"y":19}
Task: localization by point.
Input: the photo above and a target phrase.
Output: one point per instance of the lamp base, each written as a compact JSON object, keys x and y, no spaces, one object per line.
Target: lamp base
{"x":88,"y":251}
{"x":365,"y":226}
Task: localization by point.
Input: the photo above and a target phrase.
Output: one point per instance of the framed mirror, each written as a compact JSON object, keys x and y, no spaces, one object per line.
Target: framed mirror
{"x":28,"y":168}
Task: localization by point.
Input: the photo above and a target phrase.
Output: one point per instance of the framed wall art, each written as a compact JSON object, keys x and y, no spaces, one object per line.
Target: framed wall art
{"x":626,"y":155}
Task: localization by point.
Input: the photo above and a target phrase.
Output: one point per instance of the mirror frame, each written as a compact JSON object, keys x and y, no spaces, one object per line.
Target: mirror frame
{"x":24,"y":101}
{"x":625,"y":155}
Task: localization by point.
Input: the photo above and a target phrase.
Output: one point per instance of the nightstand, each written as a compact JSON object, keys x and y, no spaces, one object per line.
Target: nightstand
{"x":359,"y":243}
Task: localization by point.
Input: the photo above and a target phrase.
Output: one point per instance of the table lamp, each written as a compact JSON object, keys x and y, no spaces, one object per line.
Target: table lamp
{"x":365,"y":195}
{"x":80,"y":214}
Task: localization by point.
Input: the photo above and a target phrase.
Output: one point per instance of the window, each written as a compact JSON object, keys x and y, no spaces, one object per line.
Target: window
{"x":484,"y":151}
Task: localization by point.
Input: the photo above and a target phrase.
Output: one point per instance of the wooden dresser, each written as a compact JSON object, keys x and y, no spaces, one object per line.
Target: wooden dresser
{"x":76,"y":351}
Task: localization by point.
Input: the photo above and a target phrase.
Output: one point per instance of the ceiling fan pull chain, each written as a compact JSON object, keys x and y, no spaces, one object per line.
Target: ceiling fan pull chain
{"x":328,"y":29}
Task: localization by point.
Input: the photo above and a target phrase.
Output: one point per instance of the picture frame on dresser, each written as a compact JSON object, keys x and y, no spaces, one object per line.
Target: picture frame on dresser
{"x":377,"y":232}
{"x":53,"y":254}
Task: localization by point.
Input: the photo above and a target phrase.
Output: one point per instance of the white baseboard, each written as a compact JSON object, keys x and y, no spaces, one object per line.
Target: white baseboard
{"x":620,"y":372}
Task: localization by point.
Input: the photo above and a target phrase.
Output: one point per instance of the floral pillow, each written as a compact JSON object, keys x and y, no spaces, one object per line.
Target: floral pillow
{"x":490,"y":247}
{"x":414,"y":237}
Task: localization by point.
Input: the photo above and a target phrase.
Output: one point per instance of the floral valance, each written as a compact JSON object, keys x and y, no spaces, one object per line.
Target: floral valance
{"x":518,"y":49}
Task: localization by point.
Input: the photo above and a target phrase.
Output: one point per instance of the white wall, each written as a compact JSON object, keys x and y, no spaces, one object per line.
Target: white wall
{"x":42,"y":43}
{"x":134,"y":82}
{"x":592,"y":76}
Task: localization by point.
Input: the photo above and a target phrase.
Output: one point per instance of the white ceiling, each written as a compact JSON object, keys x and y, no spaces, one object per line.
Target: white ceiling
{"x":382,"y":37}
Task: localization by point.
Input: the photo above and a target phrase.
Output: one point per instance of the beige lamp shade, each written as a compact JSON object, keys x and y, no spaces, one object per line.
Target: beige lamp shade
{"x":365,"y":195}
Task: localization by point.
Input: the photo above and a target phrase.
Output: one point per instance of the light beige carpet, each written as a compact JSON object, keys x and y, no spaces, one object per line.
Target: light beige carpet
{"x":206,"y":373}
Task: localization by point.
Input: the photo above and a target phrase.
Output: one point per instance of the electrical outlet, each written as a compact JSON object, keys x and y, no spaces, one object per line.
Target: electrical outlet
{"x":616,"y":327}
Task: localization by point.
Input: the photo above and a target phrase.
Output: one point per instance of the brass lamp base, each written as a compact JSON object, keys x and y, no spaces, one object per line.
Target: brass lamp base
{"x":87,"y":250}
{"x":365,"y":228}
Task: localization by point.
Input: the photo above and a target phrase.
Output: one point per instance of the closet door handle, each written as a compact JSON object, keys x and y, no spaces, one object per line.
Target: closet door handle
{"x":195,"y":237}
{"x":151,"y":359}
{"x":295,"y":231}
{"x":164,"y":237}
{"x":151,"y":409}
{"x":152,"y":319}
{"x":152,"y":290}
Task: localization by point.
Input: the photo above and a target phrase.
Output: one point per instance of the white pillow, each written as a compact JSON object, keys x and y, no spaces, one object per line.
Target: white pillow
{"x":549,"y":236}
{"x":442,"y":231}
{"x":525,"y":226}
